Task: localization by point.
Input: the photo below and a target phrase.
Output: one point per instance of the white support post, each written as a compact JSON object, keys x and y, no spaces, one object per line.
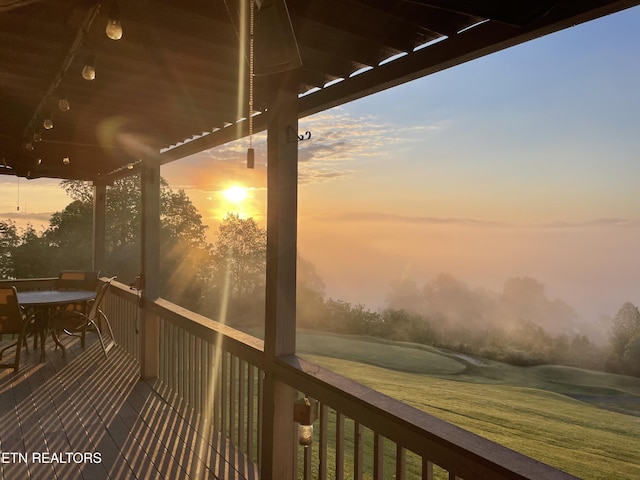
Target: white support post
{"x":150,"y":331}
{"x":279,"y":438}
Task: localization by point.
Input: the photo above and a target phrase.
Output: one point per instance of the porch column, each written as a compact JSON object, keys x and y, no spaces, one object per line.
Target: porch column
{"x":99,"y":225}
{"x":150,"y":231}
{"x":279,"y":441}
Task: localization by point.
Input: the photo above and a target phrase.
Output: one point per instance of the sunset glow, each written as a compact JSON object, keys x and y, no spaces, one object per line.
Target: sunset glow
{"x":235,"y":194}
{"x":520,"y":163}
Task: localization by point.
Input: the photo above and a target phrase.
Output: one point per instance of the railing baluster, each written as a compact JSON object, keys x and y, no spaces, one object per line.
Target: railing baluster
{"x":233,"y":403}
{"x":163,"y":346}
{"x":306,"y":467}
{"x":250,"y":409}
{"x":323,"y":439}
{"x":358,"y":451}
{"x":180,"y":361}
{"x":224,"y":395}
{"x":192,"y":370}
{"x":427,"y":469}
{"x":197,"y":380}
{"x":401,"y":462}
{"x":242,"y":399}
{"x":260,"y":423}
{"x":378,"y":456}
{"x":186,"y":375}
{"x":173,"y":352}
{"x":214,"y":385}
{"x":339,"y":446}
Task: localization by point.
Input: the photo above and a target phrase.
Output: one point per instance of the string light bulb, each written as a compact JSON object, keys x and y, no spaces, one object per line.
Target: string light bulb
{"x":114,"y":25}
{"x":63,"y":104}
{"x":37,"y":137}
{"x":89,"y":70}
{"x":48,"y":123}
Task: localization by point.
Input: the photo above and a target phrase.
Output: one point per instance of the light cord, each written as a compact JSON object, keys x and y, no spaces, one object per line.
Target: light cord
{"x":251,"y":8}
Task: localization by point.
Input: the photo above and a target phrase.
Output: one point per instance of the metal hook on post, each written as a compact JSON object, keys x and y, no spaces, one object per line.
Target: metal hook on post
{"x":293,"y":136}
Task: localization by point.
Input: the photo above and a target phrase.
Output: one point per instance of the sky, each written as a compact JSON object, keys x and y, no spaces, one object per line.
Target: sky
{"x":525,"y":162}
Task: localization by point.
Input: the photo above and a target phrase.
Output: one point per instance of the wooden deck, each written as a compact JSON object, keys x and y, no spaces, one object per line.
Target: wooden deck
{"x":87,"y":417}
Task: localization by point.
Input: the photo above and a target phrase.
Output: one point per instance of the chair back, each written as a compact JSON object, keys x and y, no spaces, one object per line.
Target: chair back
{"x":77,"y":280}
{"x":10,"y":313}
{"x":102,"y":291}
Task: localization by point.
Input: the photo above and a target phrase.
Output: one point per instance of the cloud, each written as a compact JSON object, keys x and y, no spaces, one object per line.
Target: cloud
{"x":377,"y":217}
{"x":39,"y":221}
{"x":339,"y":141}
{"x":595,"y":223}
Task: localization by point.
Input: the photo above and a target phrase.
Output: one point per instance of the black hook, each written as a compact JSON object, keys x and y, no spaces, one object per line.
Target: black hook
{"x":294,"y":137}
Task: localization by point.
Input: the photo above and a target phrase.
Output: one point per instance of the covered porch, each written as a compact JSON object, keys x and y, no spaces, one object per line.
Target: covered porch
{"x":204,"y":415}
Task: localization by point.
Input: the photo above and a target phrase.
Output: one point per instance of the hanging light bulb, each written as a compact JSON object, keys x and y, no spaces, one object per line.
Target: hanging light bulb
{"x":63,"y":103}
{"x":66,"y":160}
{"x":48,"y":123}
{"x":89,"y":70}
{"x":305,"y":412}
{"x":114,"y":26}
{"x":251,"y":156}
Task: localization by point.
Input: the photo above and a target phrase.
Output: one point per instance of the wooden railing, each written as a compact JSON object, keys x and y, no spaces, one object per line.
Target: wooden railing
{"x":360,"y":433}
{"x":30,"y":284}
{"x":123,"y":307}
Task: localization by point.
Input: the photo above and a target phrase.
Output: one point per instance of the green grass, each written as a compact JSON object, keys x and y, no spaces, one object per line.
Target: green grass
{"x":550,"y":413}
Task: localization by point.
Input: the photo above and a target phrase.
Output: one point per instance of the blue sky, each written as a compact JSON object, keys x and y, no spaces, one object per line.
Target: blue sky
{"x":524,"y":162}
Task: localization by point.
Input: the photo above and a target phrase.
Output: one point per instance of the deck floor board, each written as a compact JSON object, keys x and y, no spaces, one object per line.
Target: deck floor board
{"x":85,"y":403}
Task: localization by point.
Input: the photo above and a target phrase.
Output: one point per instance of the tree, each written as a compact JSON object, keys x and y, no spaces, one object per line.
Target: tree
{"x":449,"y":298}
{"x":9,"y":240}
{"x":405,"y":295}
{"x":625,"y":340}
{"x":67,"y":243}
{"x":310,"y":303}
{"x":240,"y":255}
{"x":525,"y":298}
{"x":69,"y":237}
{"x":32,"y":257}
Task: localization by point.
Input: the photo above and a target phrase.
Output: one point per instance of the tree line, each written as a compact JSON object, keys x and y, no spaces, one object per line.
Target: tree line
{"x":226,"y":277}
{"x":225,"y":280}
{"x":520,"y":325}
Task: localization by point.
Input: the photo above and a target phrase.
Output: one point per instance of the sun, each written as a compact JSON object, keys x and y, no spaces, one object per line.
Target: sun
{"x":235,"y":194}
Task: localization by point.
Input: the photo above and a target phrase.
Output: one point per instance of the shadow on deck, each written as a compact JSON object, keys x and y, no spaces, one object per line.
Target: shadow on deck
{"x":88,"y":417}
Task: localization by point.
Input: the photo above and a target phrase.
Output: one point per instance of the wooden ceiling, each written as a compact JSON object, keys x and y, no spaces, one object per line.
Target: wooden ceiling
{"x":177,"y":82}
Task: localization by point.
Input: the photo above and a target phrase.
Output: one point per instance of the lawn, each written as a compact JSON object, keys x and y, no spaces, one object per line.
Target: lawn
{"x":550,"y":413}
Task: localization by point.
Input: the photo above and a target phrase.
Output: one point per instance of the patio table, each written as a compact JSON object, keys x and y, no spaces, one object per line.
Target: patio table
{"x":50,"y":303}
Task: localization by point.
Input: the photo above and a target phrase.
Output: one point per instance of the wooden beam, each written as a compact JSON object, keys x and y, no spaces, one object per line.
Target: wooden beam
{"x":99,"y":225}
{"x":6,"y":5}
{"x":279,"y":439}
{"x":150,"y":334}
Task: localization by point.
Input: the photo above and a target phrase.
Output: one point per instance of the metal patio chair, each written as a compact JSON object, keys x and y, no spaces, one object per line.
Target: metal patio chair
{"x":13,"y":321}
{"x":77,"y":322}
